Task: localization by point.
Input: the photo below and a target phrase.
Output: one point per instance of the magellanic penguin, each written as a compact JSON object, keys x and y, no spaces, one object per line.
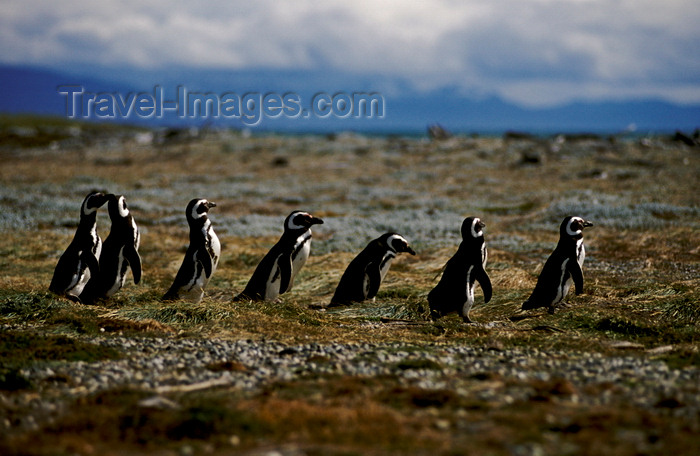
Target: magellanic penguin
{"x":80,"y":261}
{"x":455,"y":291}
{"x":119,"y":252}
{"x":202,"y":255}
{"x":276,"y":272}
{"x":562,"y":267}
{"x":365,"y":273}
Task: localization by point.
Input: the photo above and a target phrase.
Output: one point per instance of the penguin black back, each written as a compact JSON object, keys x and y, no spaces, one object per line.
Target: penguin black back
{"x":365,"y":273}
{"x":455,"y":291}
{"x":202,"y":256}
{"x":562,"y":268}
{"x":80,"y":261}
{"x":275,"y":273}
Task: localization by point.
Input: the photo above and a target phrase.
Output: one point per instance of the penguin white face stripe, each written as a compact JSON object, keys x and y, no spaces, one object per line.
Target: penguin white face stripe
{"x":87,"y":210}
{"x":293,"y":226}
{"x":568,"y":226}
{"x":194,"y":214}
{"x":123,"y":211}
{"x":392,"y":238}
{"x":475,"y":233}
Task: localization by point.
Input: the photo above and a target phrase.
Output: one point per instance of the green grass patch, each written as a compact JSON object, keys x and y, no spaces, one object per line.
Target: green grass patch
{"x":31,"y":306}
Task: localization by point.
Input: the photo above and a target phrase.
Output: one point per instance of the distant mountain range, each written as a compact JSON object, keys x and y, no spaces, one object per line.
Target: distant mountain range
{"x":25,"y":89}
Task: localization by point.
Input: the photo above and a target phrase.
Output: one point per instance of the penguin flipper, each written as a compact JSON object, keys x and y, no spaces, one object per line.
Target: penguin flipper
{"x":134,"y":259}
{"x":284,"y":262}
{"x":576,"y":275}
{"x":483,"y":278}
{"x":91,"y":261}
{"x":204,"y":258}
{"x":375,"y":279}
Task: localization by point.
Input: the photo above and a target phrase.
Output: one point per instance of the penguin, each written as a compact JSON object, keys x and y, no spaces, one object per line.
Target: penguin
{"x":119,"y":251}
{"x":364,"y":274}
{"x":80,"y":261}
{"x":275,"y":273}
{"x":455,"y":291}
{"x":202,"y":255}
{"x":563,"y":267}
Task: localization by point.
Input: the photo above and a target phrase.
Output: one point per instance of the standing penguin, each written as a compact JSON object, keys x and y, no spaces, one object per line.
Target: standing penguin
{"x":202,"y":255}
{"x":455,"y":291}
{"x":562,"y":267}
{"x":276,"y":272}
{"x":364,"y":274}
{"x":80,"y":261}
{"x":119,"y":251}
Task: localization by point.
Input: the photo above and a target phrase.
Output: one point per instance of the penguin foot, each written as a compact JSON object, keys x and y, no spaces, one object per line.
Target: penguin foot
{"x":435,"y":314}
{"x":338,"y":304}
{"x":520,"y":317}
{"x":170,"y":297}
{"x":74,"y":298}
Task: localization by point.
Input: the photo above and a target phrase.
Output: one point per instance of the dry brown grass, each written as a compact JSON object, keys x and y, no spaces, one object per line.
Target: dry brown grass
{"x":642,"y":282}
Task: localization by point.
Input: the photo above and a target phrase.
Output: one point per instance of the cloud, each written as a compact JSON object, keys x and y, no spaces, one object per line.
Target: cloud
{"x":534,"y":52}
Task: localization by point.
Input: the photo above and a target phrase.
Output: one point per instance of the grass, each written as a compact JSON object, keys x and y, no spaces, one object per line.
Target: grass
{"x":642,"y":285}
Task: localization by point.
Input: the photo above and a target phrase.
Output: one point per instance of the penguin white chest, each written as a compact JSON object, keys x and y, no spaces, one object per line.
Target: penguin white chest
{"x":469,"y":302}
{"x":580,"y":252}
{"x":79,"y":279}
{"x":564,"y":283}
{"x":136,"y":234}
{"x":386,"y":264}
{"x":302,"y":249}
{"x":121,"y":274}
{"x":213,"y":245}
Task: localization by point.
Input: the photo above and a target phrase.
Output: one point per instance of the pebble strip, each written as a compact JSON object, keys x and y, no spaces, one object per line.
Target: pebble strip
{"x":495,"y":376}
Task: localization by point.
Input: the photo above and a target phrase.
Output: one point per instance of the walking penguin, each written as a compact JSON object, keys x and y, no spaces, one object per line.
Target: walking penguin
{"x":119,"y":252}
{"x":455,"y":291}
{"x":202,"y":255}
{"x":364,"y":274}
{"x":563,"y":267}
{"x":80,"y":261}
{"x":275,"y":273}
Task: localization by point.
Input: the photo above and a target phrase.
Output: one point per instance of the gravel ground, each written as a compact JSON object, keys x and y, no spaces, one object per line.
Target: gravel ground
{"x":496,"y":376}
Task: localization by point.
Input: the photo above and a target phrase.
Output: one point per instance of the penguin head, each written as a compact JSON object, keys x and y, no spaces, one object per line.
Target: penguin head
{"x":116,"y":205}
{"x":573,"y":226}
{"x":198,"y":208}
{"x":93,"y":201}
{"x":472,"y":228}
{"x":299,"y":220}
{"x":396,"y":243}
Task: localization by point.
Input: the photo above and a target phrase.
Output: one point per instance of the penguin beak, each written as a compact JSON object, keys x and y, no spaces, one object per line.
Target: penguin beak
{"x":315,"y":221}
{"x":101,"y":200}
{"x":410,"y":250}
{"x":211,"y":204}
{"x":586,"y":224}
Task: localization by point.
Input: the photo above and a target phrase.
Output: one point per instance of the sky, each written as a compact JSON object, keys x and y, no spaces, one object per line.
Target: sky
{"x":533,"y":53}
